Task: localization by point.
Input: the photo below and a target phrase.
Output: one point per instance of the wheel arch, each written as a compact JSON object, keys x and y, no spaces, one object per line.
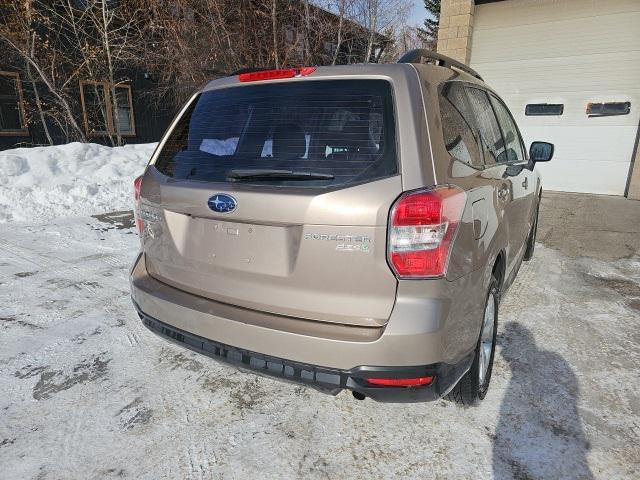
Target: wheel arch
{"x":499,"y":267}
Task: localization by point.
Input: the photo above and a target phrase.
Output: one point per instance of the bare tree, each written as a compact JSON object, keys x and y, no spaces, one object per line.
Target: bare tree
{"x":28,"y":8}
{"x":102,"y":39}
{"x":187,"y":42}
{"x":403,"y":38}
{"x":381,"y":15}
{"x":343,"y":8}
{"x":274,"y":29}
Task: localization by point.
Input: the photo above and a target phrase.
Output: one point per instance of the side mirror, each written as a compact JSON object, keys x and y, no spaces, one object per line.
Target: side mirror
{"x":540,"y":152}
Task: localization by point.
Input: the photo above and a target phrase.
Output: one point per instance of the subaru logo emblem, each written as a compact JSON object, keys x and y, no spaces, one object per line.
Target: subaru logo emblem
{"x":222,"y":203}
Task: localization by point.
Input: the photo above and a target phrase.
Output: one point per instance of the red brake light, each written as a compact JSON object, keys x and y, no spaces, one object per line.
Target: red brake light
{"x":422,"y":227}
{"x":276,"y":74}
{"x":400,"y":382}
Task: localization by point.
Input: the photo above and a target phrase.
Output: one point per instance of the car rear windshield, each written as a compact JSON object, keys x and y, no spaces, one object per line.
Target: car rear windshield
{"x":322,"y":133}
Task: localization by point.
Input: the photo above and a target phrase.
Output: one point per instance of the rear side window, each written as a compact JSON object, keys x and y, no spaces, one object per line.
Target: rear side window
{"x":513,"y":144}
{"x":342,"y":129}
{"x":490,"y":134}
{"x":458,"y":134}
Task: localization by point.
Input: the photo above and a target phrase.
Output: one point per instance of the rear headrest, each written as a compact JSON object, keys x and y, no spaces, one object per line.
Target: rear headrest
{"x":288,"y":141}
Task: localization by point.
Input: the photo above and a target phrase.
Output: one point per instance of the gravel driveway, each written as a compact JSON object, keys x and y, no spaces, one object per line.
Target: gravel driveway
{"x":88,"y":392}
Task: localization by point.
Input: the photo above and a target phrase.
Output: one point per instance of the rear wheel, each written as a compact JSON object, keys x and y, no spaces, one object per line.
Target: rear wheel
{"x":473,"y":386}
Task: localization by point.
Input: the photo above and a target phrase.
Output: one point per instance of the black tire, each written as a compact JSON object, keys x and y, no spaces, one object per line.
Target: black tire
{"x":469,"y":391}
{"x":531,"y":240}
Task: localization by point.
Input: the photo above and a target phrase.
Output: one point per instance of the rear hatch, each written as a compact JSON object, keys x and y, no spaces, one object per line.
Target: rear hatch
{"x":274,"y":196}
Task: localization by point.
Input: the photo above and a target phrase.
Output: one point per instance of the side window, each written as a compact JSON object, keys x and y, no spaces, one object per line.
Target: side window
{"x":490,"y":134}
{"x":124,"y":106}
{"x":12,"y":119}
{"x":458,"y":135}
{"x":512,"y":140}
{"x":104,"y":115}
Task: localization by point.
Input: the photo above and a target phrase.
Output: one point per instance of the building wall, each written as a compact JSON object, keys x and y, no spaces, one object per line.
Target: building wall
{"x":151,"y":118}
{"x":455,"y":29}
{"x":573,"y":52}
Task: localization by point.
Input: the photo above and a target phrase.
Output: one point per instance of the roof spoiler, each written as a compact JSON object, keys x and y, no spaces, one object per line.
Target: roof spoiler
{"x":416,"y":56}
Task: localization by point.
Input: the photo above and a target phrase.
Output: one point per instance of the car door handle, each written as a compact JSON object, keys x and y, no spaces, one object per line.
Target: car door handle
{"x":525,"y":184}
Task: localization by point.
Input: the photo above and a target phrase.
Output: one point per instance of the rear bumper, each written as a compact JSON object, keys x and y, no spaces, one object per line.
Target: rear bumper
{"x":405,"y":348}
{"x":328,"y":380}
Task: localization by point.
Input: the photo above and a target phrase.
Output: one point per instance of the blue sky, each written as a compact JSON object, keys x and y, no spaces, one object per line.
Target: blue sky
{"x":418,"y":13}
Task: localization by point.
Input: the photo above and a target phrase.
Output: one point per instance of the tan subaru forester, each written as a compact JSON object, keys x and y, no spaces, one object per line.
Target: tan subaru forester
{"x":350,"y":227}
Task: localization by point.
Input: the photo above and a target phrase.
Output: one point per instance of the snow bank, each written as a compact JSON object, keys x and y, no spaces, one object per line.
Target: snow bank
{"x":74,"y":179}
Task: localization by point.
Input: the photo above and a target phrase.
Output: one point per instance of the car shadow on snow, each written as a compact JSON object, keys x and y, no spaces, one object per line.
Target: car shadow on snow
{"x":539,"y":432}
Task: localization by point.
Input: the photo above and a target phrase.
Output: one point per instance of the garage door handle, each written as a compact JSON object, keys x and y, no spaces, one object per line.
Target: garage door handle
{"x":525,"y":184}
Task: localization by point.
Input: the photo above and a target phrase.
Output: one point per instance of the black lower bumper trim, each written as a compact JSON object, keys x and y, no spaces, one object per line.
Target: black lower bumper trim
{"x":328,"y":380}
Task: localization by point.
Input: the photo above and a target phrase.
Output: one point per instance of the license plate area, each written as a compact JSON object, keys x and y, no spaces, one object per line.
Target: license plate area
{"x":264,"y":249}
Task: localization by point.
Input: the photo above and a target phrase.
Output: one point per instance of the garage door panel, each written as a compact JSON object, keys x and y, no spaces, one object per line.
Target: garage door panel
{"x":585,"y":144}
{"x":606,"y":178}
{"x":591,"y":73}
{"x":487,"y":47}
{"x":542,"y":11}
{"x":574,"y":113}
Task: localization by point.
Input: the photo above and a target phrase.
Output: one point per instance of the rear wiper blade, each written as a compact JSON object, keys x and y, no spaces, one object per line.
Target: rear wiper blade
{"x":239,"y":175}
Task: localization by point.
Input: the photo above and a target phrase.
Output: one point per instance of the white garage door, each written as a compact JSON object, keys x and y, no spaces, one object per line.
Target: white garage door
{"x":570,"y":53}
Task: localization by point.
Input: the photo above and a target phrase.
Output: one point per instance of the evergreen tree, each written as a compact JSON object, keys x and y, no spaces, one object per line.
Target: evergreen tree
{"x":429,"y":33}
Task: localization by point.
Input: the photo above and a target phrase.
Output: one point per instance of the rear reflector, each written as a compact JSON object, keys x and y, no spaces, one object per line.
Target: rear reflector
{"x":137,"y":185}
{"x":400,"y":382}
{"x":276,"y":74}
{"x":140,"y":225}
{"x":422,"y":227}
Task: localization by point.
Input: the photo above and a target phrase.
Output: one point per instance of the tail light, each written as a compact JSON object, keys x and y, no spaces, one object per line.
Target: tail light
{"x":276,"y":74}
{"x":137,"y":185}
{"x":422,"y":227}
{"x":400,"y":382}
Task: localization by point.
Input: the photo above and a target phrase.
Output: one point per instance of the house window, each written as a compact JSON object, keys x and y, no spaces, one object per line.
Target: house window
{"x":12,"y":117}
{"x":330,"y":48}
{"x":608,"y":109}
{"x":290,"y":36}
{"x":105,"y":115}
{"x":124,"y":108}
{"x":541,"y":109}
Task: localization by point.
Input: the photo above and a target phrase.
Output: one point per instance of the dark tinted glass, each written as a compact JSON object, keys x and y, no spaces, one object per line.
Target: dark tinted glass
{"x":539,"y":109}
{"x":608,"y":109}
{"x":8,"y":86}
{"x":456,"y":125}
{"x":342,"y":128}
{"x":513,"y":151}
{"x":10,"y":118}
{"x":123,"y":105}
{"x":490,"y":134}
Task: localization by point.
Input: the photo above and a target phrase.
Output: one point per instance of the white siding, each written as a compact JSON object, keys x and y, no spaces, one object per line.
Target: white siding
{"x":571,"y":52}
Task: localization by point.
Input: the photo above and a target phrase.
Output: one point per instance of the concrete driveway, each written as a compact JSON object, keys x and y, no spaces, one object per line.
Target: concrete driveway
{"x":87,"y":392}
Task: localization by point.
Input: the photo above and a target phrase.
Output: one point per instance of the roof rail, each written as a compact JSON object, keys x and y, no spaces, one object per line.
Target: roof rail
{"x":415,"y":56}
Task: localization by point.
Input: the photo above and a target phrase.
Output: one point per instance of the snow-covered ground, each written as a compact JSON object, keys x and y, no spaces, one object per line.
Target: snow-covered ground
{"x":87,"y":392}
{"x":74,"y":179}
